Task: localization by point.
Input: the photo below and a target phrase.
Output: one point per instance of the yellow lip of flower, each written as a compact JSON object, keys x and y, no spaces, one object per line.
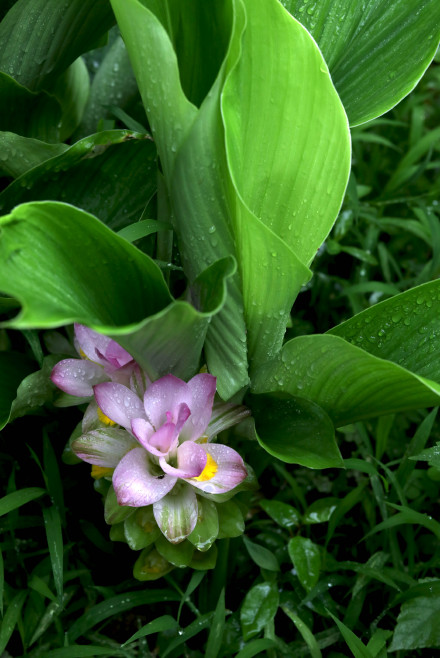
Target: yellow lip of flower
{"x":105,"y":419}
{"x":209,"y":471}
{"x":101,"y":472}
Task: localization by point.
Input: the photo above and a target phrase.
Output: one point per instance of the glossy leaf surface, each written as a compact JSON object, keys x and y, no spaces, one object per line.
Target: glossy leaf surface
{"x":100,"y":280}
{"x":377,"y":50}
{"x":417,"y":624}
{"x":39,"y":39}
{"x":113,"y":85}
{"x":295,"y":430}
{"x":28,"y":113}
{"x":110,"y":174}
{"x":404,"y":329}
{"x":259,"y":607}
{"x":342,"y":379}
{"x":19,"y":154}
{"x":198,"y":176}
{"x":306,"y":558}
{"x":196,"y":182}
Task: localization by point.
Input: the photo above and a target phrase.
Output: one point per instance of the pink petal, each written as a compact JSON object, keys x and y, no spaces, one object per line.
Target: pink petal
{"x":134,"y":483}
{"x":77,"y":376}
{"x":230,"y":470}
{"x":91,"y":343}
{"x":202,"y":389}
{"x":164,"y":439}
{"x":116,"y":355}
{"x":119,"y":403}
{"x":142,"y":430}
{"x":166,"y":394}
{"x":157,"y":443}
{"x":121,"y":375}
{"x":191,"y":460}
{"x":176,"y":514}
{"x":103,"y":447}
{"x":182,"y":414}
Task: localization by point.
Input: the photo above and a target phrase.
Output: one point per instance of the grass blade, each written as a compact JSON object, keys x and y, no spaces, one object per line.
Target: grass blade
{"x":10,"y":619}
{"x":255,"y":648}
{"x":52,"y":522}
{"x":164,"y":623}
{"x":19,"y":498}
{"x":216,"y":633}
{"x":114,"y":606}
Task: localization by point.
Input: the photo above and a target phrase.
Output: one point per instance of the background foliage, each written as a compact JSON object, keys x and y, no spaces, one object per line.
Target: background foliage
{"x":333,"y":562}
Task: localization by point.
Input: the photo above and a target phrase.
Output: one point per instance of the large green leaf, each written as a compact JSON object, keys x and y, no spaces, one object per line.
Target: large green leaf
{"x":111,"y":175}
{"x":377,"y":50}
{"x":287,"y":136}
{"x":295,"y":430}
{"x":347,"y":382}
{"x":47,"y":116}
{"x":28,"y":113}
{"x":65,"y":266}
{"x":71,"y":90}
{"x":193,"y":28}
{"x":19,"y":154}
{"x":113,"y":85}
{"x":404,"y":329}
{"x":196,"y":177}
{"x":156,"y":344}
{"x":237,"y":218}
{"x":155,"y":65}
{"x":39,"y":39}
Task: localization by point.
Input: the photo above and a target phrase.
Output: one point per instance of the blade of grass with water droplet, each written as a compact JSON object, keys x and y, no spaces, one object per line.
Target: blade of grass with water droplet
{"x":164,"y":623}
{"x":195,"y":581}
{"x":190,"y":631}
{"x":305,"y":631}
{"x":10,"y":619}
{"x":2,"y":581}
{"x":114,"y":606}
{"x":255,"y":648}
{"x":52,"y":522}
{"x":215,"y":636}
{"x":142,"y":229}
{"x":18,"y":498}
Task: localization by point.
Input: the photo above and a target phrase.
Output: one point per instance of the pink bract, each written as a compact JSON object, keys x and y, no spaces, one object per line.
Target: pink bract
{"x":171,"y":431}
{"x":102,"y":359}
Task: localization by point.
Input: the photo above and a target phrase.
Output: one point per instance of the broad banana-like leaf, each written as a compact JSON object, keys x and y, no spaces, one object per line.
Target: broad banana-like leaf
{"x":377,"y":50}
{"x":65,"y":266}
{"x":111,"y":175}
{"x":39,"y":39}
{"x":295,"y":430}
{"x":19,"y":154}
{"x":404,"y":329}
{"x":260,"y":207}
{"x":347,"y":382}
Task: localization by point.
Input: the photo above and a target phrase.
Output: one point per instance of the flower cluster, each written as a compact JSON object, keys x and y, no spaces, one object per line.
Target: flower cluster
{"x":153,"y":439}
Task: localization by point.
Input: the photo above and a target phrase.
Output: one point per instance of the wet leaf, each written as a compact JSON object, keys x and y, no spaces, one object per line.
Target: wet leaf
{"x":306,"y":558}
{"x":258,"y":609}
